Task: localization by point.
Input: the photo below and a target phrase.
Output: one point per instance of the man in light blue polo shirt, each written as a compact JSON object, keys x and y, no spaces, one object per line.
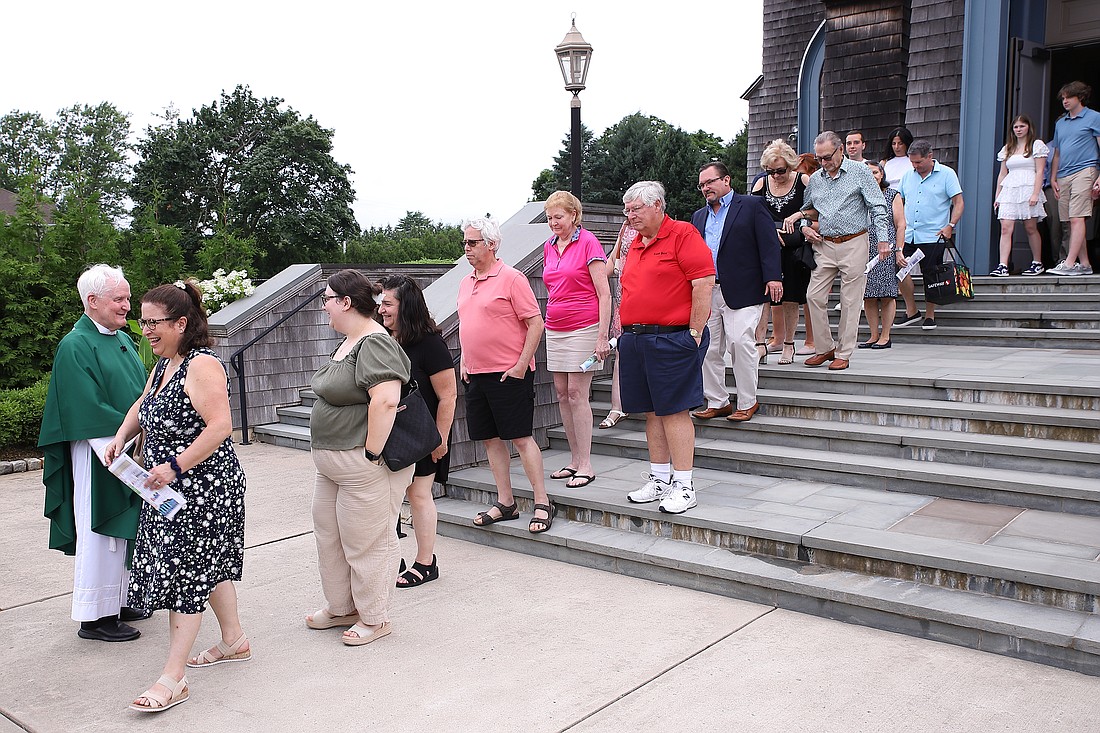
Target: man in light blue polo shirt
{"x":933,"y":206}
{"x":1074,"y":162}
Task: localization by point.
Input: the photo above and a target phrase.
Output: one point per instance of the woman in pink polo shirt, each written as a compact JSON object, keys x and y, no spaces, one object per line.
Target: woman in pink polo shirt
{"x":578,"y":314}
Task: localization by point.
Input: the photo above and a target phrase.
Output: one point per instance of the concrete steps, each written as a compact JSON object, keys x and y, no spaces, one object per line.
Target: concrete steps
{"x":1000,"y":599}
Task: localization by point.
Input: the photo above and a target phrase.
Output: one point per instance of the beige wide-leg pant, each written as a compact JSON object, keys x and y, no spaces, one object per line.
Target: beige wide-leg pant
{"x":849,"y":259}
{"x":355,"y":508}
{"x":733,"y":332}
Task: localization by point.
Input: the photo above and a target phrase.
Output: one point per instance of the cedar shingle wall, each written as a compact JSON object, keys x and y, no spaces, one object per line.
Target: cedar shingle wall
{"x":788,"y":27}
{"x":935,"y":75}
{"x":865,"y":71}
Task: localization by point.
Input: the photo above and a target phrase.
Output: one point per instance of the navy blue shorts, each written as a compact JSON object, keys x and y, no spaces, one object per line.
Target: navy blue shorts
{"x":496,"y":409}
{"x":933,"y":256}
{"x":661,"y":373}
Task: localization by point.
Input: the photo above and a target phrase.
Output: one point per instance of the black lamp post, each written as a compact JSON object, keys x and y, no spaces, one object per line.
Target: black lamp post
{"x":574,"y":54}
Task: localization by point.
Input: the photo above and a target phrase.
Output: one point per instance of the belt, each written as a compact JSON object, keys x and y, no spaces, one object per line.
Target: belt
{"x":844,"y":237}
{"x":641,"y":328}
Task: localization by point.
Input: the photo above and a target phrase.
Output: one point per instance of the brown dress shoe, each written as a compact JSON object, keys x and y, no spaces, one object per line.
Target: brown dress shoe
{"x":819,"y":359}
{"x":839,"y":364}
{"x":712,"y":412}
{"x":744,"y":415}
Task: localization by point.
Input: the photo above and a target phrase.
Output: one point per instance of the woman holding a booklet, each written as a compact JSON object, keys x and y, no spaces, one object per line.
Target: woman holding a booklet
{"x":182,"y":563}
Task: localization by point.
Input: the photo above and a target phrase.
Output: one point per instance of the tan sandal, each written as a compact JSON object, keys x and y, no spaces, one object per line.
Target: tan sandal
{"x":363,"y":634}
{"x":322,"y":619}
{"x":158,"y":701}
{"x":226,"y":653}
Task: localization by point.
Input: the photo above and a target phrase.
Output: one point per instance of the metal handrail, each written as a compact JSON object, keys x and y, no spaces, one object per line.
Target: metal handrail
{"x":237,"y":362}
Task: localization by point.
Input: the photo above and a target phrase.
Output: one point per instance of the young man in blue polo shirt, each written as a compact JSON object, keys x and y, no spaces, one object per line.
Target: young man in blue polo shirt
{"x":933,"y":206}
{"x":1074,"y":163}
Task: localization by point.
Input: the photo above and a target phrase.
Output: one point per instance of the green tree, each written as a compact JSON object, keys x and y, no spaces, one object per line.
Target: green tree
{"x":676,"y":164}
{"x":253,"y":167}
{"x":736,"y":158}
{"x":154,"y":253}
{"x":29,"y":149}
{"x":92,"y":166}
{"x":559,"y":178}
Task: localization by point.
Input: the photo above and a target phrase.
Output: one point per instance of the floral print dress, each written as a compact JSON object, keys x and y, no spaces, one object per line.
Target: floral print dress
{"x":178,"y":562}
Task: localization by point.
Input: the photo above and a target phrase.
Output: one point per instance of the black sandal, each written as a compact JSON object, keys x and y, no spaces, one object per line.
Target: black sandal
{"x":419,"y":573}
{"x":507,"y":514}
{"x":547,"y":523}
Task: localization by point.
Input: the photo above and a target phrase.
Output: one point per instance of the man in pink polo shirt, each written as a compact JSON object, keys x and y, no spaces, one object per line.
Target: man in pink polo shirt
{"x":500,"y":326}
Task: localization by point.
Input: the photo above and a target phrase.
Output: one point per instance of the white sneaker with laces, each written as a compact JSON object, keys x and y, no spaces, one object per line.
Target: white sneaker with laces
{"x":679,"y":500}
{"x":1058,"y":269}
{"x":654,"y":490}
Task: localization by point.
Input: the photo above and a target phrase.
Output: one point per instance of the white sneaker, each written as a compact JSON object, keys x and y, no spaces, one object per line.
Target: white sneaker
{"x":679,"y":500}
{"x":654,"y":490}
{"x":1058,"y":269}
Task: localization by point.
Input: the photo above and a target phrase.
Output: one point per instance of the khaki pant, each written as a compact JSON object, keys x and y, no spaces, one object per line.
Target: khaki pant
{"x":732,"y":331}
{"x":355,"y":509}
{"x":849,"y":259}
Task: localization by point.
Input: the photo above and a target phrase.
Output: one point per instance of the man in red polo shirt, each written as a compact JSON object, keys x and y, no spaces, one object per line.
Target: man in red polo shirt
{"x":668,"y":276}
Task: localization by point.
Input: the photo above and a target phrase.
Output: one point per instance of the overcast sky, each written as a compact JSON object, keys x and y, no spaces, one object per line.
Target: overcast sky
{"x":447,"y":108}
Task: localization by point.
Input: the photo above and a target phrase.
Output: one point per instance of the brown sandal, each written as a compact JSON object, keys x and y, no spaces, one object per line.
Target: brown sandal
{"x":507,"y":514}
{"x":545,"y":524}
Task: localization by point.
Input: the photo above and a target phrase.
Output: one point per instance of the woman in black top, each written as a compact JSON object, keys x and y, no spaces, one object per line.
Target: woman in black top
{"x":783,"y":189}
{"x":405,"y":314}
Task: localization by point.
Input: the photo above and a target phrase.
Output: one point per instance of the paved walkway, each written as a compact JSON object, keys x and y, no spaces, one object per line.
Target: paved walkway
{"x":501,"y":642}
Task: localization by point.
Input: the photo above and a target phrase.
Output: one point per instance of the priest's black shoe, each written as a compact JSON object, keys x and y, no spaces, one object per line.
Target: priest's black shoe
{"x":107,"y":629}
{"x":134,"y":614}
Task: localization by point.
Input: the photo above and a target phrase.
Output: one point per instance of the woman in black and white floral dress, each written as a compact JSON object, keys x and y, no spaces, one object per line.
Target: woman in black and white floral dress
{"x":181,"y":563}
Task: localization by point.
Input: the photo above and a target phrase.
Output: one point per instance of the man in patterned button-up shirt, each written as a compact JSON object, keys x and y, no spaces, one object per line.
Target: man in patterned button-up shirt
{"x":843,"y":196}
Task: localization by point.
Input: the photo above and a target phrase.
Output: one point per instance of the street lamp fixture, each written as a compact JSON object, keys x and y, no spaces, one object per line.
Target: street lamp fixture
{"x":574,"y":54}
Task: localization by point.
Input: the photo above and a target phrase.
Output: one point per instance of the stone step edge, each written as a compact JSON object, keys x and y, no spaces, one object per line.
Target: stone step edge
{"x":997,"y":564}
{"x":1007,"y":481}
{"x":1056,"y":416}
{"x":1066,"y":639}
{"x":892,"y":378}
{"x":900,"y":437}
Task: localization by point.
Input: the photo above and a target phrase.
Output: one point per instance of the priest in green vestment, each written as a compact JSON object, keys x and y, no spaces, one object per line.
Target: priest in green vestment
{"x":97,"y":375}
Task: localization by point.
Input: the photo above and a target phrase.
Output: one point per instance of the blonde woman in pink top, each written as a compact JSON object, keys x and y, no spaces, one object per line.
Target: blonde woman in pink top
{"x":578,"y":315}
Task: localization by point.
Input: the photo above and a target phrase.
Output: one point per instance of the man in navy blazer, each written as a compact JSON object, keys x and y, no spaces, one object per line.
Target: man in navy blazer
{"x":742,"y":238}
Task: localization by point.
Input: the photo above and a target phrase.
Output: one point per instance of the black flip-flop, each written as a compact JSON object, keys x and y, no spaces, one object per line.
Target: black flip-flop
{"x":547,"y":523}
{"x":563,"y":473}
{"x":585,"y":478}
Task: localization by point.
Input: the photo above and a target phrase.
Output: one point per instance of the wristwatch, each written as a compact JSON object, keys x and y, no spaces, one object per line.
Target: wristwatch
{"x":694,"y":334}
{"x":375,"y":458}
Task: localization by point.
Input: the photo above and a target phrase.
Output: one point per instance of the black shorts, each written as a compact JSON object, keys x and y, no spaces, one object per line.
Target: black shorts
{"x":933,"y":255}
{"x":428,"y":467}
{"x":496,"y":409}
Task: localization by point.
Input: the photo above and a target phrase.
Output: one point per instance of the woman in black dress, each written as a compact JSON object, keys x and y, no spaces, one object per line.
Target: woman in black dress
{"x":182,"y":563}
{"x":406,"y":315}
{"x":783,"y":189}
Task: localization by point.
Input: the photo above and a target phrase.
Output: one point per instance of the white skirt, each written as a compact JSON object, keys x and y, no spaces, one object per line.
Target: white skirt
{"x":1012,"y":203}
{"x":566,"y":350}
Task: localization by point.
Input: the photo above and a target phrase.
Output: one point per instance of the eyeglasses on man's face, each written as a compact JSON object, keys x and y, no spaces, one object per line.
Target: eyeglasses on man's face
{"x":152,"y":322}
{"x":632,"y":210}
{"x":823,"y":158}
{"x":706,"y":183}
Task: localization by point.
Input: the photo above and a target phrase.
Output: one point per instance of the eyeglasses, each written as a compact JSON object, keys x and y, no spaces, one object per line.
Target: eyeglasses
{"x":152,"y":322}
{"x":471,"y":242}
{"x":776,"y":171}
{"x":631,"y":210}
{"x":704,"y":184}
{"x":823,"y":158}
{"x":326,"y":298}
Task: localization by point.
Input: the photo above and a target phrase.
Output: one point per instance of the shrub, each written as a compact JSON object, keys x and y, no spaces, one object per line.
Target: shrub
{"x":21,"y":414}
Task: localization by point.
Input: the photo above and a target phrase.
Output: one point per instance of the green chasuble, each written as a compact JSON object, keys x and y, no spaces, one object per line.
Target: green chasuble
{"x":96,"y":379}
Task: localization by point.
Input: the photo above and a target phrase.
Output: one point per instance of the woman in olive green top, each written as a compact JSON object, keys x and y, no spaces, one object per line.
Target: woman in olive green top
{"x":356,"y":499}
